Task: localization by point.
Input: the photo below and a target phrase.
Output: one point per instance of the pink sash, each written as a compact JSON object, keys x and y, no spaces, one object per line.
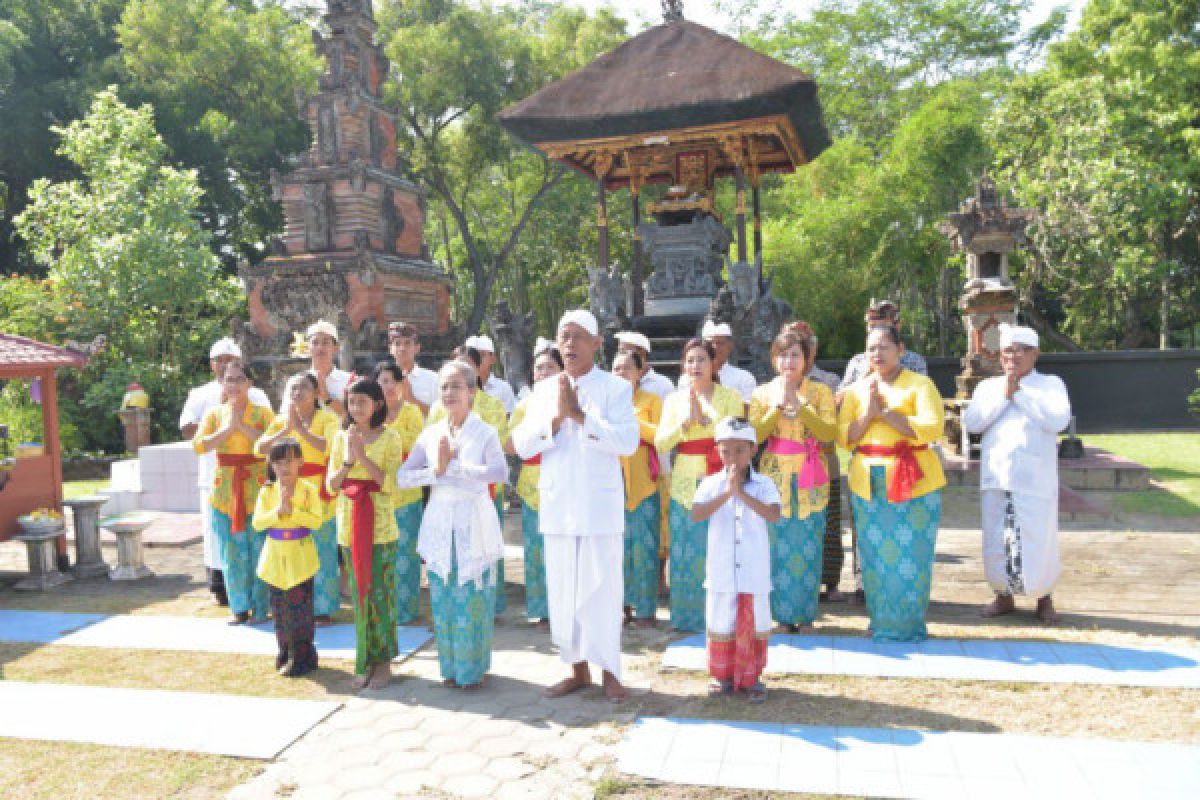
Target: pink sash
{"x":813,"y":472}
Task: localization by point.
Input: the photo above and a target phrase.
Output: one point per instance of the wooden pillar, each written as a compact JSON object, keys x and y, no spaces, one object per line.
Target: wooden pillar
{"x":602,"y":221}
{"x":740,"y":178}
{"x":758,"y":254}
{"x":636,"y":276}
{"x":52,"y":446}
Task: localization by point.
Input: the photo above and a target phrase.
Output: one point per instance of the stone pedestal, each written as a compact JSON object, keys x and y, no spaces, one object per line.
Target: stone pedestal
{"x":131,"y":564}
{"x":89,"y":563}
{"x":136,"y":422}
{"x":43,"y":563}
{"x":688,"y":258}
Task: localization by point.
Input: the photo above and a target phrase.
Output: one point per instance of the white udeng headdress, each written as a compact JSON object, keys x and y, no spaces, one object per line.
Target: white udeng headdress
{"x":1018,"y":334}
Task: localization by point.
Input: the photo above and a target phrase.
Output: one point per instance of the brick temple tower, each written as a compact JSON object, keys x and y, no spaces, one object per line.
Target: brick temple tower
{"x":353,"y":249}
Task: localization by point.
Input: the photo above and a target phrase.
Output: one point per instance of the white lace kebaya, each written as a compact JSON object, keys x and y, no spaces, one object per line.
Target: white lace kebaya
{"x":459,"y":525}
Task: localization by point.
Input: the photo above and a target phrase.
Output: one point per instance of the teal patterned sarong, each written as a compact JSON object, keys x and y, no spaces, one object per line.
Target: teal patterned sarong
{"x":641,"y":557}
{"x":239,"y":557}
{"x":327,"y":597}
{"x":895,"y":547}
{"x":536,"y":603}
{"x":501,"y":600}
{"x":689,"y":550}
{"x":408,"y":563}
{"x":796,"y":546}
{"x":463,"y":623}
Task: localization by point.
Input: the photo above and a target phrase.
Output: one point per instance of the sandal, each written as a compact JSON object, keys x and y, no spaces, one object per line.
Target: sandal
{"x":756,"y":693}
{"x":720,"y":688}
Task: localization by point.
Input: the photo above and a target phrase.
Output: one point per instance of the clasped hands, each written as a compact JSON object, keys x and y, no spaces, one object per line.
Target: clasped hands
{"x":568,"y":403}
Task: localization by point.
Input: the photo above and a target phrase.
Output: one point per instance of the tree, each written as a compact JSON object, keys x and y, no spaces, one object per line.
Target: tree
{"x":127,"y":258}
{"x":1105,"y":143}
{"x":454,"y":66}
{"x":224,"y":75}
{"x":54,"y":55}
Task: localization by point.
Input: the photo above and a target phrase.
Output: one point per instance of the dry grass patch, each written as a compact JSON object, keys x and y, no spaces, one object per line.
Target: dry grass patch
{"x":34,"y":770}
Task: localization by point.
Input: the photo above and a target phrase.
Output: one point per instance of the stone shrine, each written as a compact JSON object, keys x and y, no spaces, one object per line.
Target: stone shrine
{"x":353,"y":249}
{"x":987,"y":230}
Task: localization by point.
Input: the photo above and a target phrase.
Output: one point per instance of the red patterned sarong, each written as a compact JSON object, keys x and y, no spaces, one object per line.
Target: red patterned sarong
{"x":742,"y":656}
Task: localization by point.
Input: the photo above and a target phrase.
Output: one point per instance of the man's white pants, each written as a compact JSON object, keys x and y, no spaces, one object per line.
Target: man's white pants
{"x":585,"y":588}
{"x":720,"y":612}
{"x":1029,"y":563}
{"x":212,"y":547}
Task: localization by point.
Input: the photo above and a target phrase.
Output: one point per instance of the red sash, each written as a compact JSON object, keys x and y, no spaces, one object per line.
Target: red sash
{"x":309,"y":469}
{"x":536,"y":461}
{"x":906,"y":471}
{"x":362,"y":531}
{"x":241,"y":463}
{"x":706,"y":448}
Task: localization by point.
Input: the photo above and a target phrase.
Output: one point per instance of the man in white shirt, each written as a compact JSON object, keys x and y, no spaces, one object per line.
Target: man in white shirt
{"x":420,"y":385}
{"x":496,"y":387}
{"x":1020,"y":414}
{"x":332,"y":382}
{"x":582,"y":424}
{"x":720,"y":336}
{"x":653,"y":382}
{"x":199,"y":402}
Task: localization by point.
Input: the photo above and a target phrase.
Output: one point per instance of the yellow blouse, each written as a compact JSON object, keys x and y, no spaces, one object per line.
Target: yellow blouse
{"x":387,"y":452}
{"x":407,"y":425}
{"x":237,"y":444}
{"x":527,"y":480}
{"x":689,"y":470}
{"x":287,"y":564}
{"x":816,"y":418}
{"x":325,"y":425}
{"x":647,"y":407}
{"x":914,"y":396}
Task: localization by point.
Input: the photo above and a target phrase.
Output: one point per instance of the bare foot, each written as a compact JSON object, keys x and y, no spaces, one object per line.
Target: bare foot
{"x":613,"y":689}
{"x":543,"y":623}
{"x":450,"y":683}
{"x":1045,"y":610}
{"x":1003,"y":604}
{"x":323,"y":621}
{"x":381,"y":675}
{"x":474,"y":687}
{"x":581,"y":678}
{"x":835,"y":596}
{"x":648,"y":622}
{"x":360,"y":681}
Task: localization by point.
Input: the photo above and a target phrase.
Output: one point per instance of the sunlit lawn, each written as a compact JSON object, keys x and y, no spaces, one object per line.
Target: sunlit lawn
{"x":1174,"y":462}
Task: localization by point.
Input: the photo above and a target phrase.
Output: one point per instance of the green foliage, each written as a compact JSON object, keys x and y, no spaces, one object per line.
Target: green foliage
{"x":223,"y":75}
{"x":127,"y":258}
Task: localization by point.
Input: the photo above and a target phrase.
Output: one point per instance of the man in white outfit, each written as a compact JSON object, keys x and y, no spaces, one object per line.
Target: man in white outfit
{"x":496,"y":387}
{"x":199,"y":402}
{"x":420,"y":385}
{"x":582,"y":424}
{"x":332,"y":382}
{"x":1020,"y":414}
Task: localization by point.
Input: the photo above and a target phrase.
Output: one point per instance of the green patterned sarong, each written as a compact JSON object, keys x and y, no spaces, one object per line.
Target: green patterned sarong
{"x":375,"y":624}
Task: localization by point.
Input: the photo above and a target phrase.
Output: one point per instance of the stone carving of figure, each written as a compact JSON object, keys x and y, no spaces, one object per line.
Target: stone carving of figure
{"x":317,"y":216}
{"x":327,"y":147}
{"x":743,"y":279}
{"x":605,"y":294}
{"x":514,"y":337}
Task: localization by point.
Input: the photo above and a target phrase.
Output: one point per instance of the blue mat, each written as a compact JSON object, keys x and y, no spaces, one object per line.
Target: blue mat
{"x":897,"y":762}
{"x":194,"y":634}
{"x":966,"y":659}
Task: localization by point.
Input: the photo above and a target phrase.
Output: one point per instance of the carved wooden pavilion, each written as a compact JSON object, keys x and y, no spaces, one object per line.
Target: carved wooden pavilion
{"x":678,"y":104}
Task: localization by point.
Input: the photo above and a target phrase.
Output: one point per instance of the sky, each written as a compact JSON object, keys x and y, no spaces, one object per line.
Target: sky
{"x":640,"y":12}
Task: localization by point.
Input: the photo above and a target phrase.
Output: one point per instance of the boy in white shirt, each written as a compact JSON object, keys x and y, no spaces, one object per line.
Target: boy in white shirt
{"x":738,"y":503}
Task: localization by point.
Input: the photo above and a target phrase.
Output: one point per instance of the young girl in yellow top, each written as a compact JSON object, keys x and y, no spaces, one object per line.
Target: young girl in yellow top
{"x":407,"y":421}
{"x":546,"y":364}
{"x":362,"y":471}
{"x":232,"y":429}
{"x":890,"y":419}
{"x":687,"y":424}
{"x":288,"y":510}
{"x":642,"y":505}
{"x":795,"y":416}
{"x":313,"y":429}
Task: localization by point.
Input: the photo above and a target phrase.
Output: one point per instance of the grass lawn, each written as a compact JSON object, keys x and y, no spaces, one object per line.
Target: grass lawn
{"x":1174,"y":462}
{"x":73,"y":489}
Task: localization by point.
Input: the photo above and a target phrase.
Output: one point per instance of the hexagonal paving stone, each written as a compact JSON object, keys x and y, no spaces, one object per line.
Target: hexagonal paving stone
{"x":406,"y":760}
{"x":409,"y":783}
{"x":470,"y":785}
{"x":497,"y":746}
{"x":401,"y":740}
{"x":509,"y":769}
{"x":457,"y":764}
{"x":357,"y":778}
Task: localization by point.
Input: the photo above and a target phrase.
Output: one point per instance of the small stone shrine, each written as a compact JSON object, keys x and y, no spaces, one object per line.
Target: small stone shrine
{"x":353,"y":249}
{"x":987,"y":230}
{"x":680,"y":106}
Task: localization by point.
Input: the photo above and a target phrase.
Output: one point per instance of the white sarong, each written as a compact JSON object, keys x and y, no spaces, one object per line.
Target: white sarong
{"x":1020,"y":549}
{"x":585,"y":587}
